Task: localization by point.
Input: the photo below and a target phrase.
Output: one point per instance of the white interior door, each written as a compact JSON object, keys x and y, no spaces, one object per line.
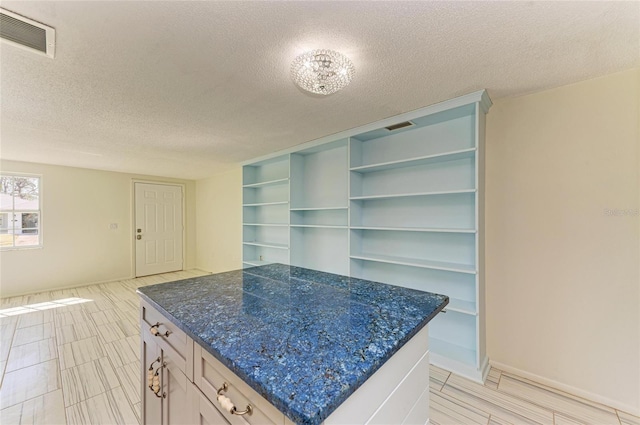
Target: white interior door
{"x":158,"y":228}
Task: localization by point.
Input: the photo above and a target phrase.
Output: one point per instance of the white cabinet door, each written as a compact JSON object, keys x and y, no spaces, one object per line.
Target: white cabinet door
{"x":176,"y":405}
{"x":151,"y":403}
{"x":158,"y":230}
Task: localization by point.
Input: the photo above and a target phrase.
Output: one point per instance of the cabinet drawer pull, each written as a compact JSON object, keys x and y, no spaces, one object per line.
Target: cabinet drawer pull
{"x":227,"y":404}
{"x":156,"y":332}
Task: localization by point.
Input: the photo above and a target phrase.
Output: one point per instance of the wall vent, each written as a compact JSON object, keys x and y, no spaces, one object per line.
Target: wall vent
{"x":26,"y":33}
{"x":400,"y":125}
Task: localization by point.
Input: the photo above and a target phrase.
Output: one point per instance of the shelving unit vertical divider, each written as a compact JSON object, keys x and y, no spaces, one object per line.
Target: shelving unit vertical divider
{"x":481,"y":109}
{"x":349,"y":209}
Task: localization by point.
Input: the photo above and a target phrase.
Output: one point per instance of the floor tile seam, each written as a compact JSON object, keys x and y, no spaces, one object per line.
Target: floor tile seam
{"x":496,"y":405}
{"x":75,"y":340}
{"x":27,"y":327}
{"x":466,"y":403}
{"x":29,"y":342}
{"x":66,"y":417}
{"x":89,"y":398}
{"x":548,"y":389}
{"x":440,"y":389}
{"x":576,"y":419}
{"x":83,"y":363}
{"x":573,"y":418}
{"x":4,"y":367}
{"x":72,"y":323}
{"x":44,"y":322}
{"x":445,"y":381}
{"x":81,"y":393}
{"x":586,"y":405}
{"x":34,"y":397}
{"x":468,"y":408}
{"x":34,"y":364}
{"x":618,"y":416}
{"x":587,"y":402}
{"x":6,"y":362}
{"x":527,"y":400}
{"x":618,"y":411}
{"x":121,"y":384}
{"x":115,"y":371}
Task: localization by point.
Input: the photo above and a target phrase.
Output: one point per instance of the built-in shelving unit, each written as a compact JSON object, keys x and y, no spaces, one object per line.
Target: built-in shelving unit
{"x":404,"y":207}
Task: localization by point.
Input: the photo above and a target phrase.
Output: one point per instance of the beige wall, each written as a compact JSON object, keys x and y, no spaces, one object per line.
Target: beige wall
{"x":79,"y":248}
{"x":562,"y":276}
{"x":219,"y":217}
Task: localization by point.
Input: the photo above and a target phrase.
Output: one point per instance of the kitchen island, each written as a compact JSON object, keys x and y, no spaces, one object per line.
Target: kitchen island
{"x":283,"y":344}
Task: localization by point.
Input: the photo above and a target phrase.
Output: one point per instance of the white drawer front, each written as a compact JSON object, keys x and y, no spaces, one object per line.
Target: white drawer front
{"x":169,"y":337}
{"x":210,"y":375}
{"x":205,"y":412}
{"x":402,"y":400}
{"x":365,"y":403}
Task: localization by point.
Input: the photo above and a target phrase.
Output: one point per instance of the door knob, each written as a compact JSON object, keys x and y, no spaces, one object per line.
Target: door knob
{"x":139,"y":237}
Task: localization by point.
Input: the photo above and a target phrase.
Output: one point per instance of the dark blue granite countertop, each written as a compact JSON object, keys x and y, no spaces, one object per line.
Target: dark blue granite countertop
{"x":305,"y":340}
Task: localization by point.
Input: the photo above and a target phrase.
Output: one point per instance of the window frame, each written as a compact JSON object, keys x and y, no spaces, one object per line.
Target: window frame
{"x":11,"y":212}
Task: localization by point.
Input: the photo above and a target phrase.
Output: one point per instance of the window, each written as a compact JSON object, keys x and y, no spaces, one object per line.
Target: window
{"x":20,"y":214}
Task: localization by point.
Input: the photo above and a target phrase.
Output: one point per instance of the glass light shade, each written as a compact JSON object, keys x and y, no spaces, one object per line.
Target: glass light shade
{"x":322,"y":71}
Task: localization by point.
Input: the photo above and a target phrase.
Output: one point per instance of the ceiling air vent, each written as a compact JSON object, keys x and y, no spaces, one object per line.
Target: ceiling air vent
{"x":22,"y":32}
{"x":400,"y":125}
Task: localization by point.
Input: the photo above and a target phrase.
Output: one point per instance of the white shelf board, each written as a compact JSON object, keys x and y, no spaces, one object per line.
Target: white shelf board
{"x":461,"y":306}
{"x":266,"y":224}
{"x":452,"y":351}
{"x":267,"y":183}
{"x":422,"y":160}
{"x":263,"y":204}
{"x":266,"y":244}
{"x":407,"y":195}
{"x":415,"y":262}
{"x":413,"y":229}
{"x":256,"y":262}
{"x":319,"y":209}
{"x":320,"y":226}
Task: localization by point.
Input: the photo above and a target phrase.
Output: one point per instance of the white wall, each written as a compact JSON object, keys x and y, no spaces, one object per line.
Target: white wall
{"x":562,"y":276}
{"x":79,"y":248}
{"x":219,"y":217}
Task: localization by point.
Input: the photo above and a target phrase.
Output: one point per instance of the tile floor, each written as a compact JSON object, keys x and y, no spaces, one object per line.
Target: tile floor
{"x":72,"y":357}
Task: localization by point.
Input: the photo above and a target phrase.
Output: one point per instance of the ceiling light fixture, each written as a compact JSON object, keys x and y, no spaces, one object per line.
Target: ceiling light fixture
{"x":322,"y":71}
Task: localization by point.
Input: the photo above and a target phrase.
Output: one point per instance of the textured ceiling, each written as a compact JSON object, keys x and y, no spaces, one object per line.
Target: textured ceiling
{"x":186,"y":89}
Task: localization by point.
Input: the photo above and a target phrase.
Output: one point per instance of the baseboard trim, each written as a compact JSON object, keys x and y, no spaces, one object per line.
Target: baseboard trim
{"x":60,"y":288}
{"x":79,"y":285}
{"x":567,"y":388}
